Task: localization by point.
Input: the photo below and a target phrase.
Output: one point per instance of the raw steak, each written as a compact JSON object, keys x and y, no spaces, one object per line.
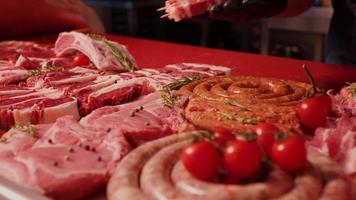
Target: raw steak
{"x":141,"y":121}
{"x":106,"y":55}
{"x":181,"y":9}
{"x":20,"y":105}
{"x":338,"y":138}
{"x":12,"y":49}
{"x":9,"y":73}
{"x":49,"y":158}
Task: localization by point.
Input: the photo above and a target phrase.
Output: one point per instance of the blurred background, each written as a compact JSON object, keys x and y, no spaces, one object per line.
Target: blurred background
{"x":301,"y":37}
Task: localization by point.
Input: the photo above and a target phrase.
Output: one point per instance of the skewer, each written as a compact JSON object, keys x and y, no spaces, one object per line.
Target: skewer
{"x":161,"y":9}
{"x":165,"y":15}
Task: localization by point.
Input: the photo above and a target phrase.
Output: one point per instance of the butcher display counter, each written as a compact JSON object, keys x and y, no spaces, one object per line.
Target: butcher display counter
{"x":97,"y":100}
{"x":157,"y":54}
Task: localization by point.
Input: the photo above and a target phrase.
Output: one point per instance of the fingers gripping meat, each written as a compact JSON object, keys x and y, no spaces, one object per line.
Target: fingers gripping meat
{"x":181,"y":9}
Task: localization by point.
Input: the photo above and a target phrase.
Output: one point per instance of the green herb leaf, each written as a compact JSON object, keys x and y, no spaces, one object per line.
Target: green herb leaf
{"x":250,"y":137}
{"x":247,"y":120}
{"x":351,"y":88}
{"x":310,"y":78}
{"x":28,"y":128}
{"x":3,"y":139}
{"x":47,"y":68}
{"x":232,"y":102}
{"x":205,"y":135}
{"x":232,"y":116}
{"x":182,"y":82}
{"x":169,"y":99}
{"x":280,"y":136}
{"x":124,"y":61}
{"x":52,"y":68}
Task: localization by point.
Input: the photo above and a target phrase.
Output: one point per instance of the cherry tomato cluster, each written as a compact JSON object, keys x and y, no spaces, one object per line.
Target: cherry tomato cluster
{"x":312,"y":112}
{"x":242,"y":157}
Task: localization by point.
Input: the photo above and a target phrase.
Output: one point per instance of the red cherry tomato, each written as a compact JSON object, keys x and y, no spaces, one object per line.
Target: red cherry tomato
{"x":81,"y":60}
{"x":312,"y":112}
{"x":290,"y":154}
{"x":222,"y":138}
{"x":222,"y":135}
{"x":326,"y":101}
{"x":265,"y":135}
{"x":201,"y":159}
{"x":12,"y":61}
{"x":242,"y":159}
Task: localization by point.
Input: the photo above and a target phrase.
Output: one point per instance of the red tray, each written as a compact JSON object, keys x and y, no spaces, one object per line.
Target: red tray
{"x":155,"y":54}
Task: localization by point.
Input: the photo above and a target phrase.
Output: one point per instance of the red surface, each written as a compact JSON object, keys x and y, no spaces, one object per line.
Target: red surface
{"x":155,"y":54}
{"x":150,"y":53}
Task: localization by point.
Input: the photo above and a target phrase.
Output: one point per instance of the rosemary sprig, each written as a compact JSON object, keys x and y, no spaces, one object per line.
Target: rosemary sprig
{"x":169,"y":99}
{"x":48,"y":68}
{"x":310,"y":78}
{"x":232,"y":116}
{"x":314,"y":89}
{"x":125,"y":62}
{"x":206,"y":135}
{"x":182,"y":82}
{"x":3,"y":139}
{"x":351,"y":88}
{"x":52,"y":68}
{"x":36,"y":72}
{"x":28,"y":128}
{"x":231,"y":102}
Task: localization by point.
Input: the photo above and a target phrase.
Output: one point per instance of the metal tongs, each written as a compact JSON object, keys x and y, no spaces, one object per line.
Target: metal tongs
{"x":12,"y":191}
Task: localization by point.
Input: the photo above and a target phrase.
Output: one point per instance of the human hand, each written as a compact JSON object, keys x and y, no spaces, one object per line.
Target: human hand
{"x":242,"y":10}
{"x":78,"y":7}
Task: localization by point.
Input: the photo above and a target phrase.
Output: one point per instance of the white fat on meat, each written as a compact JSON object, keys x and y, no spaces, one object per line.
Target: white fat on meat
{"x":33,"y":95}
{"x":12,"y":75}
{"x":350,"y":161}
{"x":52,"y":162}
{"x":80,"y":78}
{"x":18,"y":140}
{"x":338,"y":142}
{"x":96,"y":50}
{"x":47,"y":114}
{"x":99,"y":83}
{"x":50,"y":114}
{"x":83,"y":70}
{"x":224,"y":70}
{"x":13,"y":90}
{"x":181,"y":9}
{"x":148,"y":72}
{"x":142,"y":120}
{"x":118,"y":85}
